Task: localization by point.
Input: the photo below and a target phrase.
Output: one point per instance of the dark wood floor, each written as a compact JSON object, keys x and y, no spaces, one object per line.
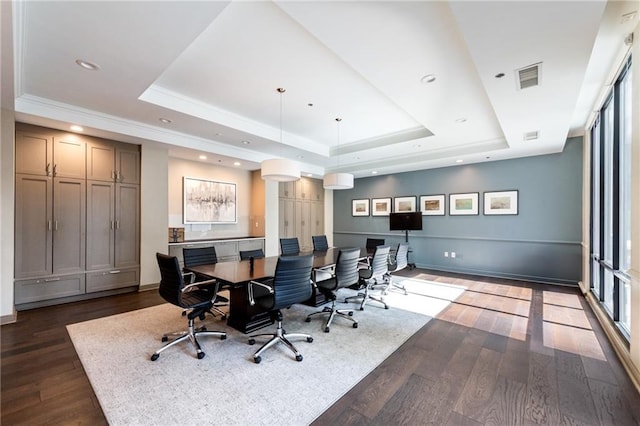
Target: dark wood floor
{"x":505,"y":353}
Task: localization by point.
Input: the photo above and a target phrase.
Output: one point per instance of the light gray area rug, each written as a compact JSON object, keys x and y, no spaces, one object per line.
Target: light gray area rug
{"x":227,"y":387}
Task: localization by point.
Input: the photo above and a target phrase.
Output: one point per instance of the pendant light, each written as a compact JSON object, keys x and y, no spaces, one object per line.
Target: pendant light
{"x":280,"y":169}
{"x":338,"y":180}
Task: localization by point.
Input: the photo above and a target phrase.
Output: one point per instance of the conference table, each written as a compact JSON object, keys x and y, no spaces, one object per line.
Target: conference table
{"x":235,"y":276}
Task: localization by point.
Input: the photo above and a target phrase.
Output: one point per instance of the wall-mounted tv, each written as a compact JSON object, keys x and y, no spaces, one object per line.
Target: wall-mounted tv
{"x":405,"y":221}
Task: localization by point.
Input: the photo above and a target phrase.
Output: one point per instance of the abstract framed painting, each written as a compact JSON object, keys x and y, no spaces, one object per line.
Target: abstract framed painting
{"x":209,"y":201}
{"x":463,"y":204}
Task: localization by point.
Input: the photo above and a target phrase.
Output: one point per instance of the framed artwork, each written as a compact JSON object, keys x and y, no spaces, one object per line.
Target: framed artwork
{"x":209,"y":201}
{"x":501,"y":202}
{"x":360,"y":207}
{"x":404,"y":204}
{"x":432,"y":205}
{"x":463,"y":204}
{"x":380,"y":206}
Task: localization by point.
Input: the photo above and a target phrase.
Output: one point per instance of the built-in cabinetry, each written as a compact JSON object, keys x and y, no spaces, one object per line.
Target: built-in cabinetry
{"x":301,"y":215}
{"x":77,"y":225}
{"x":227,"y":249}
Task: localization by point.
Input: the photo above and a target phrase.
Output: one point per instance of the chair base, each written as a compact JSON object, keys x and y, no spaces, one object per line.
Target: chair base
{"x":389,"y":284}
{"x":365,"y":296}
{"x":333,"y":313}
{"x":278,"y":337}
{"x":191,"y":335}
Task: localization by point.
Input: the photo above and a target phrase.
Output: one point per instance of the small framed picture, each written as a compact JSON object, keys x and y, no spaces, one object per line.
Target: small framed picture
{"x":404,"y":204}
{"x":501,"y":203}
{"x":463,"y":204}
{"x":380,"y":206}
{"x":432,"y":205}
{"x":360,"y":207}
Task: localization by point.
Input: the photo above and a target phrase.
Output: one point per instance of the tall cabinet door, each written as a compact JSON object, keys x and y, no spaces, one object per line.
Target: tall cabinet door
{"x":287,"y":218}
{"x":127,"y":228}
{"x":33,"y":226}
{"x":101,"y":161}
{"x":68,"y":225}
{"x":128,"y":165}
{"x":100,"y":225}
{"x":70,"y":158}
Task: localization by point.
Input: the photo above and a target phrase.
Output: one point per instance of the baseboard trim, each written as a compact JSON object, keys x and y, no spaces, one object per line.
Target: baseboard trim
{"x":620,"y":345}
{"x":147,"y":287}
{"x":9,"y":319}
{"x":498,"y":274}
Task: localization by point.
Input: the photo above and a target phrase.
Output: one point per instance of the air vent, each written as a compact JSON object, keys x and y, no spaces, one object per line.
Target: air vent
{"x":530,"y":136}
{"x":529,"y":76}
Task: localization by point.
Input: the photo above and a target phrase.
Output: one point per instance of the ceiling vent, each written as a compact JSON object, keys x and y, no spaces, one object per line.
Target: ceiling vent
{"x":530,"y":136}
{"x":529,"y":76}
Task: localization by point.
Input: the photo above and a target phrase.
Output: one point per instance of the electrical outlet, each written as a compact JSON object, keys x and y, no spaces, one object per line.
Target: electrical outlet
{"x":446,"y":254}
{"x":453,"y":254}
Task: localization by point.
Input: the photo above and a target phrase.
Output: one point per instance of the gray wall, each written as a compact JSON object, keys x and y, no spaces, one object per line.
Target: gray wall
{"x":542,"y":243}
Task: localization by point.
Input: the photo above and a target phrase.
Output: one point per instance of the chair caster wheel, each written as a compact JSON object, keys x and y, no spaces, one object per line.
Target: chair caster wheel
{"x":223,"y":337}
{"x":165,"y":339}
{"x":350,"y":313}
{"x":252,"y":342}
{"x":355,"y":325}
{"x":223,"y":318}
{"x":257,"y":359}
{"x":200,"y":355}
{"x":326,"y":329}
{"x":203,"y":328}
{"x":307,"y":319}
{"x":184,"y":313}
{"x":298,"y":358}
{"x":309,"y":339}
{"x":362,"y":308}
{"x":386,"y":307}
{"x":154,"y":357}
{"x":202,"y":317}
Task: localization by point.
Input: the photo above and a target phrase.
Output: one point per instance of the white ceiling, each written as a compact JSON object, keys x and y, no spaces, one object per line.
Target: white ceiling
{"x":213,"y":68}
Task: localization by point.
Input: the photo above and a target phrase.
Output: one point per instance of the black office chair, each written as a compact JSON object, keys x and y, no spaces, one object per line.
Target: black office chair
{"x":194,"y":256}
{"x":191,"y":297}
{"x":320,"y":243}
{"x":372,"y":243}
{"x":289,"y":246}
{"x":395,"y":264}
{"x":344,"y":274}
{"x":373,"y":276}
{"x":291,"y":284}
{"x":248,"y":254}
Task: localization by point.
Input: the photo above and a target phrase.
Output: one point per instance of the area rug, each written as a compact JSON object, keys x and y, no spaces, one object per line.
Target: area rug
{"x":227,"y":387}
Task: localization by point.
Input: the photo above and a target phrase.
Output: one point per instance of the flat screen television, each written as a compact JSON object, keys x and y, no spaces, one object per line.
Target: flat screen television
{"x":405,"y":221}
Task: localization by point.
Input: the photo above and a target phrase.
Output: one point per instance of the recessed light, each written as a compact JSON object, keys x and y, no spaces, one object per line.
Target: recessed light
{"x":309,"y":104}
{"x":202,"y":157}
{"x":461,"y":120}
{"x":236,"y":163}
{"x":499,"y":75}
{"x":164,"y":120}
{"x":299,"y":157}
{"x":76,"y":128}
{"x":429,"y":78}
{"x":459,"y":161}
{"x":374,"y":172}
{"x":246,"y":142}
{"x":87,"y":65}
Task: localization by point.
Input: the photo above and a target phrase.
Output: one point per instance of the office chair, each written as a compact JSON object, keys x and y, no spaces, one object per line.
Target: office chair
{"x":289,"y":246}
{"x":372,"y":243}
{"x":345,"y":274}
{"x":195,"y":256}
{"x":320,"y":243}
{"x":290,"y":284}
{"x":191,"y":297}
{"x":373,"y":275}
{"x":395,"y":264}
{"x":247,"y":254}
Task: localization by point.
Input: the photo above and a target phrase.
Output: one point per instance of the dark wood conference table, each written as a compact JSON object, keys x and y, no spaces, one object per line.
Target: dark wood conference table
{"x":236,"y":276}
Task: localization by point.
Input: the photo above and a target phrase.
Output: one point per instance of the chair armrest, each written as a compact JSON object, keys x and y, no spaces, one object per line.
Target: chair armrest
{"x":200,"y":285}
{"x":323,"y":273}
{"x":190,"y":275}
{"x":259,"y":284}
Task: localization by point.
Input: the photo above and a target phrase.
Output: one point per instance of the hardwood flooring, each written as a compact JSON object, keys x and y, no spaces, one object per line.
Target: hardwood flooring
{"x":503,"y":353}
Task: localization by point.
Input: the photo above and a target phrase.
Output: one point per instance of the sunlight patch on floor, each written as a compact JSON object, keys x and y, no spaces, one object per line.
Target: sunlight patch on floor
{"x":424,"y":297}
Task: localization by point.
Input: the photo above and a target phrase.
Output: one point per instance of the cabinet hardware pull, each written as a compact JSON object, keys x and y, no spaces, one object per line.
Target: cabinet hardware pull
{"x":113,"y":175}
{"x":117,"y":224}
{"x":55,"y":170}
{"x":48,"y":280}
{"x":111,"y":224}
{"x":114,"y":272}
{"x":55,"y":225}
{"x":48,"y":169}
{"x":48,"y":225}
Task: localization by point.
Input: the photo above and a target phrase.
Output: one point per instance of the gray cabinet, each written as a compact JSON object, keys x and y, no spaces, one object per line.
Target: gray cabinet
{"x":74,"y":236}
{"x":302,"y":215}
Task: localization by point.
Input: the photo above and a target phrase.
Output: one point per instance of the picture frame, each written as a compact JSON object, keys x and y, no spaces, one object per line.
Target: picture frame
{"x":360,"y":207}
{"x":432,"y":205}
{"x":209,"y":201}
{"x":380,"y":206}
{"x":404,"y":204}
{"x":501,"y":202}
{"x":463,"y":204}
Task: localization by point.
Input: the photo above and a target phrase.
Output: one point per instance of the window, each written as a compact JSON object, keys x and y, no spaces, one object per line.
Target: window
{"x":611,"y":202}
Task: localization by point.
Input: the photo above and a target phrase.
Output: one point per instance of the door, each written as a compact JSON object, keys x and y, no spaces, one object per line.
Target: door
{"x":100,"y":225}
{"x":127,"y":225}
{"x":34,"y":153}
{"x":68,"y":225}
